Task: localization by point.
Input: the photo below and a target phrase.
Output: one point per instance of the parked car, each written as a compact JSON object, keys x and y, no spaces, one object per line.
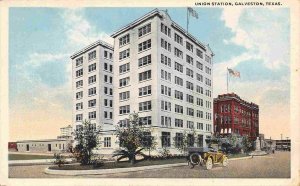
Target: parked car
{"x":206,"y":157}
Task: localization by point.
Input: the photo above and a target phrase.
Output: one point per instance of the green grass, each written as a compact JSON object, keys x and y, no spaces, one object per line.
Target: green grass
{"x":28,"y":157}
{"x":112,"y":165}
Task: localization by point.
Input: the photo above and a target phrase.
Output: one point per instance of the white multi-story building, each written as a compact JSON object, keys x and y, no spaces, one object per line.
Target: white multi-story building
{"x":165,"y":75}
{"x":92,"y":85}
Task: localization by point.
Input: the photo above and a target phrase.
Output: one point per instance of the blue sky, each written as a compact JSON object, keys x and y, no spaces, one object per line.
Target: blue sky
{"x":252,"y":41}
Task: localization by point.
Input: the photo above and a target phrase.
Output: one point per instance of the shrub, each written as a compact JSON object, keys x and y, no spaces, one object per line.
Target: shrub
{"x":59,"y":160}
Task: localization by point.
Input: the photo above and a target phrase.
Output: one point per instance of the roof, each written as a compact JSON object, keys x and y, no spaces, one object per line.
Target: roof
{"x":41,"y":140}
{"x":93,"y":45}
{"x":160,"y":13}
{"x":233,"y":96}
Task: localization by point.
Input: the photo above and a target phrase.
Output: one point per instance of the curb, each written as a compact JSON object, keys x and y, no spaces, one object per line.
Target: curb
{"x":109,"y":171}
{"x":33,"y":162}
{"x":241,"y":158}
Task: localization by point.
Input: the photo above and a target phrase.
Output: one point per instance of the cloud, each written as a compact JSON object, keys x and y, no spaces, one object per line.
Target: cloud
{"x":263,"y":32}
{"x":79,"y":31}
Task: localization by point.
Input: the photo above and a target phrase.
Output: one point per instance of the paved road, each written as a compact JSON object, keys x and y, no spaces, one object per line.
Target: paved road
{"x":272,"y":166}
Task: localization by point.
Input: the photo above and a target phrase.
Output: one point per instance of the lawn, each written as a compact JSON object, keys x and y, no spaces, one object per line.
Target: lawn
{"x":112,"y":165}
{"x":28,"y":157}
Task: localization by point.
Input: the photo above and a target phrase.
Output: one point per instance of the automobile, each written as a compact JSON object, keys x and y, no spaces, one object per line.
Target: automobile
{"x":206,"y":156}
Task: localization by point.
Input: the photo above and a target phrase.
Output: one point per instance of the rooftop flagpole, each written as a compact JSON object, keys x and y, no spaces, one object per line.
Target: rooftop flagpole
{"x":227,"y":78}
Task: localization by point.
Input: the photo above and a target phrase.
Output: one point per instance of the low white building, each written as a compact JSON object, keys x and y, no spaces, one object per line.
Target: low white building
{"x":47,"y":145}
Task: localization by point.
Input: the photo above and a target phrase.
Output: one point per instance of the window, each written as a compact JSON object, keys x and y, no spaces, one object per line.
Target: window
{"x":199,"y":65}
{"x":145,"y":60}
{"x":199,"y":89}
{"x":165,"y":75}
{"x":92,"y":79}
{"x":165,"y":139}
{"x":165,"y":121}
{"x":145,"y":90}
{"x":124,"y":122}
{"x":110,"y":68}
{"x":79,"y":83}
{"x":208,"y":127}
{"x":92,"y":67}
{"x":79,"y":72}
{"x":189,"y":72}
{"x":189,"y":60}
{"x":124,"y":68}
{"x":179,"y":109}
{"x":200,"y":102}
{"x":144,"y":45}
{"x":146,"y":120}
{"x":200,"y":126}
{"x":145,"y":106}
{"x":178,"y":53}
{"x":178,"y":123}
{"x":189,"y":85}
{"x":165,"y":90}
{"x":92,"y":115}
{"x":79,"y":106}
{"x":124,"y":82}
{"x":92,"y":55}
{"x":190,"y":111}
{"x":124,"y":54}
{"x":110,"y":56}
{"x":207,"y":82}
{"x":178,"y":95}
{"x":165,"y":105}
{"x":178,"y":139}
{"x":79,"y":61}
{"x":199,"y":77}
{"x":207,"y":59}
{"x":178,"y":67}
{"x":78,"y":117}
{"x":199,"y":53}
{"x":124,"y":95}
{"x":79,"y":95}
{"x":92,"y":103}
{"x":165,"y":60}
{"x":189,"y":46}
{"x":200,"y":140}
{"x":165,"y":45}
{"x":124,"y":109}
{"x":208,"y":70}
{"x":145,"y":75}
{"x":107,"y":141}
{"x":145,"y":30}
{"x":105,"y":66}
{"x":124,"y":40}
{"x":190,"y":124}
{"x":177,"y":38}
{"x":111,"y":91}
{"x":189,"y":98}
{"x":178,"y":81}
{"x":166,"y":30}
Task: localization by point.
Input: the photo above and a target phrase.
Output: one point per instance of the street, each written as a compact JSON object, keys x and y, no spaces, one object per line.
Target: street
{"x":271,"y":166}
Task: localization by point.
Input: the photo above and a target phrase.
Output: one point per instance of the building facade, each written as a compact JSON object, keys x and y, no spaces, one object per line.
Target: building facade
{"x":92,"y":85}
{"x":234,"y":115}
{"x":165,"y":75}
{"x":47,"y":145}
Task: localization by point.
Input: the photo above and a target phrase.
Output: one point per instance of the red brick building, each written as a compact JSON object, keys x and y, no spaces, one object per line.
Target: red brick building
{"x":234,"y":115}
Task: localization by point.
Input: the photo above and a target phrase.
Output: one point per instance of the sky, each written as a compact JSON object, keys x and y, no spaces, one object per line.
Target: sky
{"x":253,"y":41}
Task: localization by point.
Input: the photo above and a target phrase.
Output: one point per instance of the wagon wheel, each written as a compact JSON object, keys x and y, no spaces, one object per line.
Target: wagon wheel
{"x":194,"y":159}
{"x":225,"y":161}
{"x":209,"y":163}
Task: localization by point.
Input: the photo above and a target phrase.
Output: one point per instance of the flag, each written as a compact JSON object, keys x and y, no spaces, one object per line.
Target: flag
{"x":193,"y":12}
{"x":234,"y":73}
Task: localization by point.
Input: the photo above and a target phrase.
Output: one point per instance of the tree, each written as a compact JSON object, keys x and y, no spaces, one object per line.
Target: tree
{"x":86,"y":139}
{"x":184,"y":140}
{"x":246,"y":144}
{"x":132,"y":139}
{"x":149,"y":142}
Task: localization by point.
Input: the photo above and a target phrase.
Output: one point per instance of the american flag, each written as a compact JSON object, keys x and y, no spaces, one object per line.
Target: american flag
{"x":234,"y":73}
